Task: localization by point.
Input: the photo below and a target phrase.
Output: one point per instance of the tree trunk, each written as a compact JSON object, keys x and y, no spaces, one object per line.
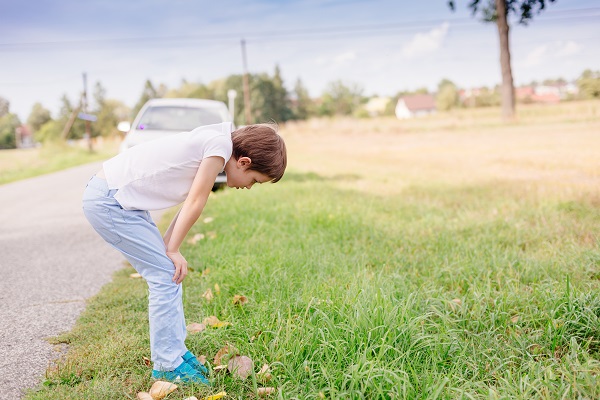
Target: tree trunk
{"x":508,"y":89}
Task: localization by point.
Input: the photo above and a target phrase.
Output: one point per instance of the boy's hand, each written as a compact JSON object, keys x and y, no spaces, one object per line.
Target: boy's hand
{"x":180,"y":263}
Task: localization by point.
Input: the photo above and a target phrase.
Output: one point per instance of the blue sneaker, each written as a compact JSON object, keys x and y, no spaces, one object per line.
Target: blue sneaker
{"x":185,"y":373}
{"x":193,"y":361}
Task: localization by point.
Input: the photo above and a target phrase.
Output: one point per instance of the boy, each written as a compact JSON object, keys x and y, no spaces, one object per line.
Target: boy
{"x":160,"y":174}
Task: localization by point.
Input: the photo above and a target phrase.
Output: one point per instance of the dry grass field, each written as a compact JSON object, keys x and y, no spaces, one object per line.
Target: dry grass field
{"x":553,"y":148}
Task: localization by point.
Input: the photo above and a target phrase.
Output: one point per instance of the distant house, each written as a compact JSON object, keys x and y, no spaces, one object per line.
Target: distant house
{"x":376,"y":105}
{"x":415,"y":106}
{"x":552,"y":93}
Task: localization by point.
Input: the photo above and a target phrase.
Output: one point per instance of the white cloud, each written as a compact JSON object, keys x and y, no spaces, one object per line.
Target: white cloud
{"x":425,"y":43}
{"x":551,"y":52}
{"x":536,"y":56}
{"x":342,"y":58}
{"x":569,"y":48}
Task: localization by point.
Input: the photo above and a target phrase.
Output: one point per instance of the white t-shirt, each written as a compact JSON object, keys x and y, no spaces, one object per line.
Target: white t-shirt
{"x":159,"y":174}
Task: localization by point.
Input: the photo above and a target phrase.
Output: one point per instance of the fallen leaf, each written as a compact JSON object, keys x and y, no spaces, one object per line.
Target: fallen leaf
{"x":514,"y":319}
{"x":217,"y":288}
{"x":240,"y":366}
{"x":196,"y":327}
{"x":454,"y":303}
{"x":265,"y":391}
{"x":217,"y":396}
{"x":160,"y":389}
{"x":135,"y":276}
{"x":223,"y":355}
{"x":202,"y":359}
{"x":264,"y":375}
{"x":191,"y":398}
{"x":144,"y":396}
{"x":196,"y":238}
{"x":321,"y":395}
{"x":206,"y":272}
{"x":214,"y":322}
{"x":147,"y":361}
{"x":208,"y":295}
{"x":211,"y":234}
{"x":220,"y":368}
{"x":208,"y":220}
{"x":238,"y":299}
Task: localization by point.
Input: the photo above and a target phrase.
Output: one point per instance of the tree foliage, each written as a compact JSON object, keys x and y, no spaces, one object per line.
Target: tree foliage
{"x":589,"y":84}
{"x":38,"y":117}
{"x":447,"y":95}
{"x":340,"y":99}
{"x":523,"y":9}
{"x":8,"y":125}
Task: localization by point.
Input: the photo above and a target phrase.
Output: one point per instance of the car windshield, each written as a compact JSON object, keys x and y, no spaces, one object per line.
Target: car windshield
{"x":172,"y":118}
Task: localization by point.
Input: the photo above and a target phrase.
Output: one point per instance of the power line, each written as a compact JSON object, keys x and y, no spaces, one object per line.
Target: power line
{"x":290,"y":34}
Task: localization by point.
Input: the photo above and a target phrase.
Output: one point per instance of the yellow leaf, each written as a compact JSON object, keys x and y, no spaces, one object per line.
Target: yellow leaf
{"x":514,"y":319}
{"x":147,"y":361}
{"x":206,"y":272}
{"x":208,"y":220}
{"x":135,"y":276}
{"x":144,"y":396}
{"x":217,"y":396}
{"x":214,"y":322}
{"x":217,"y":288}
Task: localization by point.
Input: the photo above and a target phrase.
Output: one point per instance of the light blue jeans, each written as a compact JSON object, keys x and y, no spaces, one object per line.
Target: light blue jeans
{"x":134,"y":234}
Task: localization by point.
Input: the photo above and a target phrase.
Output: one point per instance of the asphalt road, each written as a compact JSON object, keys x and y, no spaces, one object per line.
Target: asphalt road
{"x":51,"y":262}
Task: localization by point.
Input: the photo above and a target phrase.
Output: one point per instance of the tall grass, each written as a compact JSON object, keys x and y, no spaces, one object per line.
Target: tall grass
{"x":440,"y":291}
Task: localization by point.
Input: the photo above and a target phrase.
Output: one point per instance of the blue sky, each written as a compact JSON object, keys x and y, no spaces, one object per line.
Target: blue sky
{"x":382,"y":45}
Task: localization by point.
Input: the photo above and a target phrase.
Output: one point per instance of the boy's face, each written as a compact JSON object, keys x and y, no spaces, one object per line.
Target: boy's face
{"x":240,"y":176}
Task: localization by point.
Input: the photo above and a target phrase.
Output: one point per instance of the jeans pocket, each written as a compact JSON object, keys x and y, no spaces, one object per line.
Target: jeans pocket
{"x":102,"y":220}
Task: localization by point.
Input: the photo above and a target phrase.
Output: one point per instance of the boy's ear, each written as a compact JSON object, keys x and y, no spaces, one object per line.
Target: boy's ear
{"x":244,"y":162}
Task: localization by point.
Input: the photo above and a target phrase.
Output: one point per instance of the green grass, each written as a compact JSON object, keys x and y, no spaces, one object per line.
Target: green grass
{"x":441,"y":292}
{"x":27,"y":163}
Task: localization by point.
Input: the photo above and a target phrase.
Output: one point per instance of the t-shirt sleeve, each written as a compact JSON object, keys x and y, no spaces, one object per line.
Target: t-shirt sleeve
{"x":220,"y":146}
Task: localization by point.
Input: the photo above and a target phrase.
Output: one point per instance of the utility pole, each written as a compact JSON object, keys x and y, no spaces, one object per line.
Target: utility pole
{"x":88,"y":133}
{"x":247,"y":106}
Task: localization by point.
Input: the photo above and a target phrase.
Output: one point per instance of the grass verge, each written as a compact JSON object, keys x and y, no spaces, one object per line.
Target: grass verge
{"x":26,"y":163}
{"x":473,"y":292}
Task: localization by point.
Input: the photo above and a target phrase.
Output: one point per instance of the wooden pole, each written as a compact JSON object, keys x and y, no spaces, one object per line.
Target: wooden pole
{"x":247,"y":105}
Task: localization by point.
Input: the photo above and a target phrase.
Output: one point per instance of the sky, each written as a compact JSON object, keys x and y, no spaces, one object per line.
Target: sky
{"x":382,"y":46}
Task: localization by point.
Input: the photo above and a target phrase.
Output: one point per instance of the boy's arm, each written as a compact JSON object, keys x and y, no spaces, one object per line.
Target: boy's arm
{"x":167,"y":235}
{"x":191,"y":210}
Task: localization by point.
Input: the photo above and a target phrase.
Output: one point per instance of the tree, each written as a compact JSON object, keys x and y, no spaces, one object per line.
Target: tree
{"x":498,"y":11}
{"x":302,"y":103}
{"x":340,"y":99}
{"x":589,"y":84}
{"x":149,"y":92}
{"x":8,"y":126}
{"x":447,"y":95}
{"x":38,"y":117}
{"x":4,"y":106}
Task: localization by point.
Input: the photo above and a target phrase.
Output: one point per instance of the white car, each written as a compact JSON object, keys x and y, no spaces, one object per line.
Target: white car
{"x":160,"y":117}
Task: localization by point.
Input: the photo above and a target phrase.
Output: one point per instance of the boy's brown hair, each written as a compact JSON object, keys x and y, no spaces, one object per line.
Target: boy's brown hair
{"x":263,"y":145}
